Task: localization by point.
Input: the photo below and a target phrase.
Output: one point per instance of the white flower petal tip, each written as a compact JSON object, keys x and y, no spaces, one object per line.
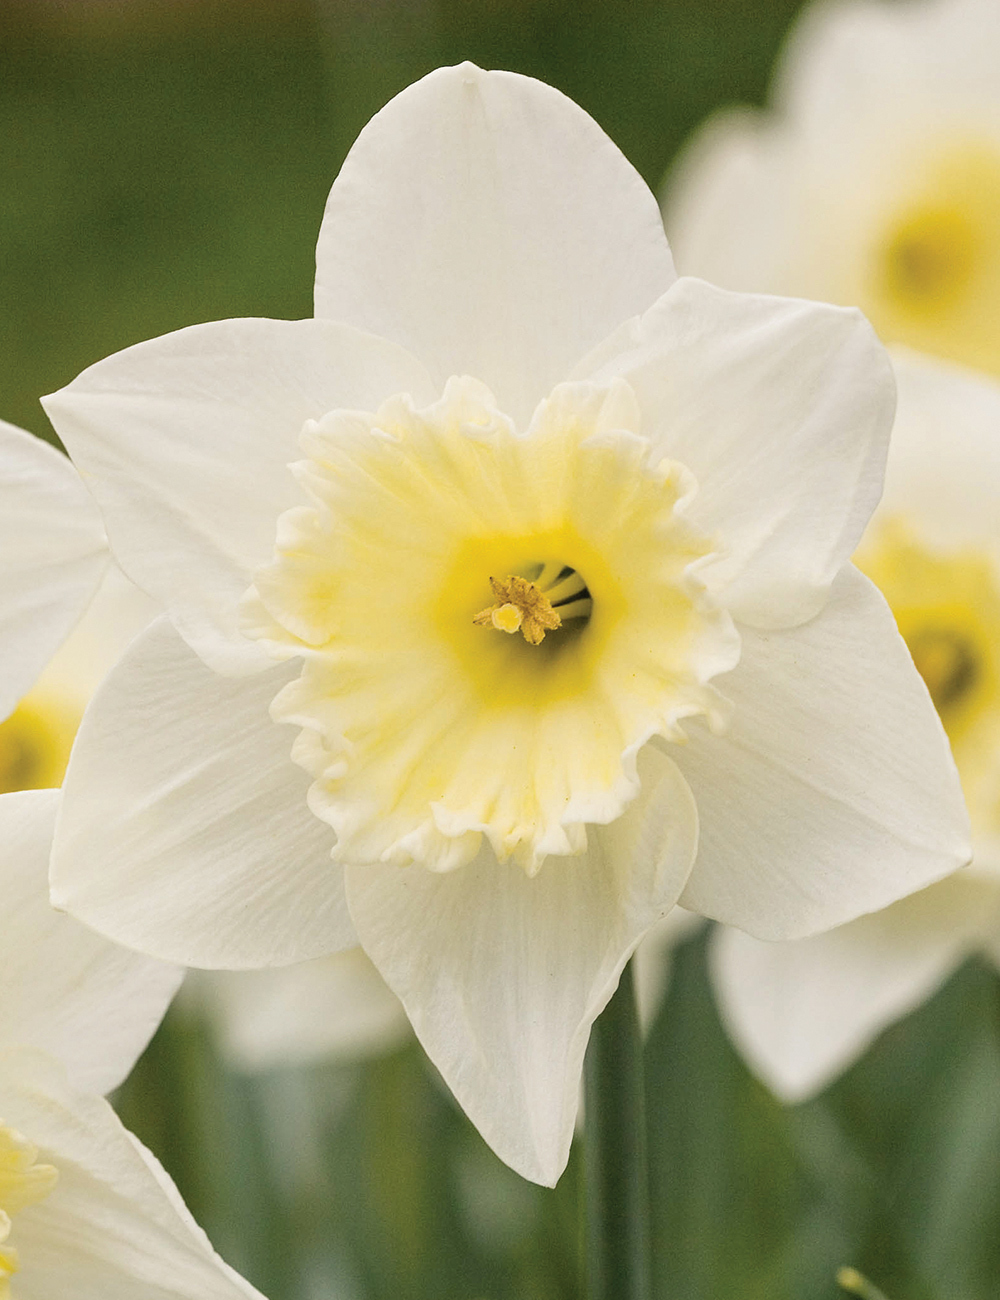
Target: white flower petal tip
{"x":834,"y":789}
{"x":782,"y":410}
{"x":544,"y":592}
{"x":211,"y":416}
{"x":802,"y":1012}
{"x":503,"y":974}
{"x":94,"y":1214}
{"x":184,"y":830}
{"x":488,"y":197}
{"x":875,"y":182}
{"x":66,"y":989}
{"x":53,"y":553}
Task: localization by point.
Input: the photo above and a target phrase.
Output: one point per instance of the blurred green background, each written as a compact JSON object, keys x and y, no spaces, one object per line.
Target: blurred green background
{"x":166,"y":163}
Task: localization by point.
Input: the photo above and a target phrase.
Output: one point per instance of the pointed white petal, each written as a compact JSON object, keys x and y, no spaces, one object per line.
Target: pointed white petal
{"x":52,"y":555}
{"x":332,"y":1008}
{"x":63,"y":987}
{"x":502,"y":975}
{"x":782,"y":409}
{"x":802,"y":1012}
{"x":185,"y":441}
{"x":486,"y":223}
{"x":833,"y":793}
{"x":184,"y":830}
{"x":114,"y":1227}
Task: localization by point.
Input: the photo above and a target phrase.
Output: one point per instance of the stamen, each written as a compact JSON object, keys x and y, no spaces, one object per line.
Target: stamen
{"x":520,"y":606}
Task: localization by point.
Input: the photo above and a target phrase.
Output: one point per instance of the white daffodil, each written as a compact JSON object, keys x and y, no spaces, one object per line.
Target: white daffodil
{"x":555,"y":608}
{"x":873,"y":181}
{"x":803,"y":1011}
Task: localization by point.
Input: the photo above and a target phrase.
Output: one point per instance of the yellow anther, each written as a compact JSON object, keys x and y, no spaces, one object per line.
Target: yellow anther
{"x":520,"y":606}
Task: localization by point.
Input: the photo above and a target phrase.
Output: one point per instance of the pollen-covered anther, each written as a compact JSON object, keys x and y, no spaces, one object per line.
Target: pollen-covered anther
{"x":520,"y":606}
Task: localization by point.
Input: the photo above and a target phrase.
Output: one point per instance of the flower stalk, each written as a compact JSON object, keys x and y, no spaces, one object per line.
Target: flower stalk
{"x":616,"y":1173}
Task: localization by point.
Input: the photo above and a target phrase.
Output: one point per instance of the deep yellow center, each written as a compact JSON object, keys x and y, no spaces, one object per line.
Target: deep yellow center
{"x":933,"y":279}
{"x":35,"y":742}
{"x":947,"y":607}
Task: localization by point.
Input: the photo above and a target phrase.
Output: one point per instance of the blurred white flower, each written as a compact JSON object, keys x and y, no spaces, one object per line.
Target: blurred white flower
{"x":874,"y":180}
{"x":494,"y":607}
{"x":802,"y":1012}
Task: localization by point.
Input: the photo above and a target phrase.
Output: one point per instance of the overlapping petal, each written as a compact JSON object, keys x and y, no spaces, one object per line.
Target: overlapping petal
{"x":751,"y":394}
{"x":502,"y":975}
{"x":487,"y":224}
{"x":184,"y":830}
{"x":801,"y":1012}
{"x":833,"y":792}
{"x":63,"y":987}
{"x":114,"y":1226}
{"x":53,"y":553}
{"x":185,"y":441}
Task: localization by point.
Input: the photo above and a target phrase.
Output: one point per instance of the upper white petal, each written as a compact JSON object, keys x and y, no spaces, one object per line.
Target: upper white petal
{"x":114,"y":1227}
{"x":834,"y":792}
{"x":486,"y":223}
{"x":184,"y":830}
{"x":63,"y":987}
{"x":185,"y":441}
{"x":502,"y":975}
{"x":782,"y":409}
{"x":52,"y":554}
{"x":802,"y":1012}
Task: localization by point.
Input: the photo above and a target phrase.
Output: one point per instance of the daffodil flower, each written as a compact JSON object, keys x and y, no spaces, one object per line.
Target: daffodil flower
{"x":802,"y":1012}
{"x":873,"y":181}
{"x":552,"y":611}
{"x":85,"y":1211}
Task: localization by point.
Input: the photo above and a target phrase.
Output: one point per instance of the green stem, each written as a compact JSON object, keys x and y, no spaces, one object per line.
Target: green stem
{"x":616,"y":1173}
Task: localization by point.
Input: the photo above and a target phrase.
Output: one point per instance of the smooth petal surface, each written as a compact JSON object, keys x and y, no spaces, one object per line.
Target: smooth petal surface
{"x":782,"y":409}
{"x":725,"y":203}
{"x":185,"y":442}
{"x":52,"y":554}
{"x":114,"y":1227}
{"x":487,"y":224}
{"x":833,"y":793}
{"x":332,"y":1008}
{"x":502,"y":975}
{"x":184,"y":830}
{"x":802,"y":1012}
{"x":944,"y":468}
{"x":63,"y":988}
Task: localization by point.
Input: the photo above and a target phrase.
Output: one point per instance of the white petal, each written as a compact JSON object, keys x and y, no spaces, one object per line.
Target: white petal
{"x":502,"y":975}
{"x":184,"y":830}
{"x":725,"y":205}
{"x":62,"y":987}
{"x":802,"y":1012}
{"x":653,"y":959}
{"x":52,"y":554}
{"x":944,"y":460}
{"x":114,"y":1227}
{"x":332,"y":1008}
{"x":834,"y":792}
{"x":185,"y":442}
{"x":782,"y":409}
{"x":486,"y":223}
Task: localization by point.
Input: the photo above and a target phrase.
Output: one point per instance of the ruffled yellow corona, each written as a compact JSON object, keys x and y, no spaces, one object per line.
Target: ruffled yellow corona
{"x":423,"y":730}
{"x":23,"y":1182}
